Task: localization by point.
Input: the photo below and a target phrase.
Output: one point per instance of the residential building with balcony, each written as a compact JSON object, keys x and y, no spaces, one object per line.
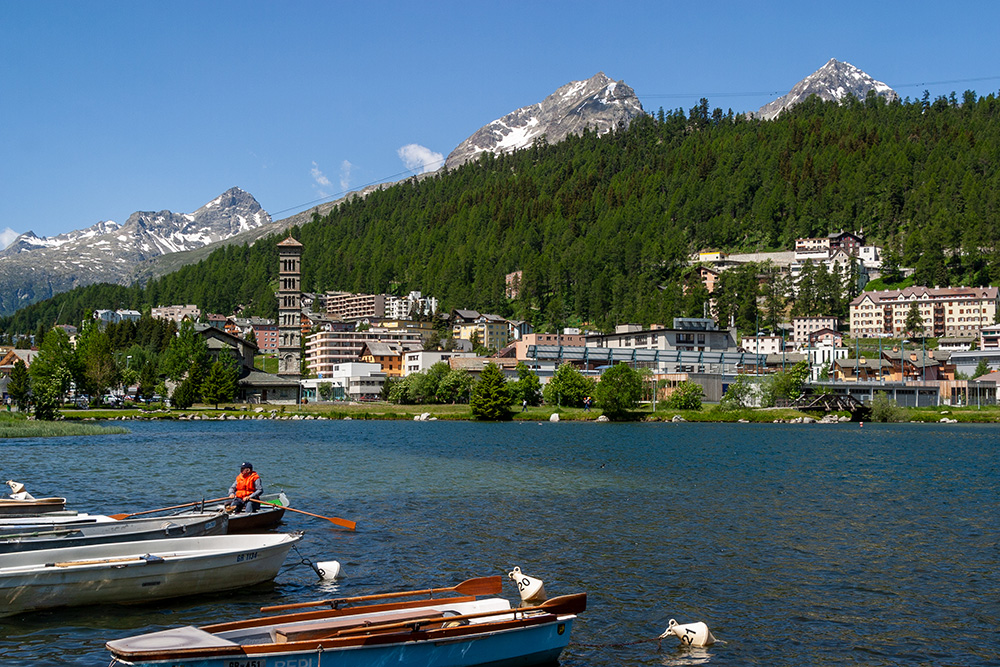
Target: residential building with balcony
{"x":327,"y":348}
{"x":803,"y":327}
{"x":944,"y":311}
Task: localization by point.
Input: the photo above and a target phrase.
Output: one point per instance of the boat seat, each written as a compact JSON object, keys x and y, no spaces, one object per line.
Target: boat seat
{"x":321,"y":629}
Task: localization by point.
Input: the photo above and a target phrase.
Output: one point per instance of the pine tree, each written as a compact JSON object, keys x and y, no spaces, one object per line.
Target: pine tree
{"x":19,"y":387}
{"x":491,"y":397}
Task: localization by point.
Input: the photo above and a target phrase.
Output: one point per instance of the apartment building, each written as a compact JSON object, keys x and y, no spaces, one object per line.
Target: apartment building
{"x":944,"y":311}
{"x":177,"y":313}
{"x":325,"y":349}
{"x":802,"y":327}
{"x":491,"y":330}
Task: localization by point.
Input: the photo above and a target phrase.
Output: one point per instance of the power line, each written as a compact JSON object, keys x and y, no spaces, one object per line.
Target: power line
{"x":759,"y":93}
{"x":344,"y":193}
{"x":654,"y":96}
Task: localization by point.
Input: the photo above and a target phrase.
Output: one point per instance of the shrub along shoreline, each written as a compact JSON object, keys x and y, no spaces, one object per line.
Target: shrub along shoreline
{"x":462,"y":412}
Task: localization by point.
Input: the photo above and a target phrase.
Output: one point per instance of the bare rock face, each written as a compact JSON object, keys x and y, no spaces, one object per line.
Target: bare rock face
{"x":34,"y":268}
{"x":599,"y":103}
{"x":831,"y":82}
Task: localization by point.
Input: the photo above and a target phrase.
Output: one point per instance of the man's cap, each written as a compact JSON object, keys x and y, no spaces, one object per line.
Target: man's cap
{"x":246,"y":464}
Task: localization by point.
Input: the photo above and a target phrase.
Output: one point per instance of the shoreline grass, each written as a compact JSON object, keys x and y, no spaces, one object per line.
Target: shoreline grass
{"x":19,"y":426}
{"x":380,"y":411}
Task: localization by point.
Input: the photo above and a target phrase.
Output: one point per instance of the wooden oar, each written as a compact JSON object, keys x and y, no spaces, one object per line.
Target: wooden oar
{"x":477,"y":586}
{"x":72,"y":563}
{"x":349,"y":525}
{"x":564,"y":604}
{"x":119,"y":517}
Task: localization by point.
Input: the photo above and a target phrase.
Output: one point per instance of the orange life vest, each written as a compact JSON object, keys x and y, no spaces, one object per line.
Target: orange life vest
{"x":246,"y":484}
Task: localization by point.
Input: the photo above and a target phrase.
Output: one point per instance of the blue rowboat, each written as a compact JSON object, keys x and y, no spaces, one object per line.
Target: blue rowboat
{"x":459,"y":631}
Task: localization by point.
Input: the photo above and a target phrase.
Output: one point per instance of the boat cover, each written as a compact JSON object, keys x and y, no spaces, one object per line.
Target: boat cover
{"x":187,"y":637}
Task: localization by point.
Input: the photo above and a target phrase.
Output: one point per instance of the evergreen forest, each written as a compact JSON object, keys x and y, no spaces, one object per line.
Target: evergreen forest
{"x":603,"y":228}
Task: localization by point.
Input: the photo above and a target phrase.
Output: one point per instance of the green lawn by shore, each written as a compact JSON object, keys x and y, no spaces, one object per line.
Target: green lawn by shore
{"x":389,"y":411}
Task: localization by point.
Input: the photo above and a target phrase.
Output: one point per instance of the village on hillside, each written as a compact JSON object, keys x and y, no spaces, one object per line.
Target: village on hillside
{"x":922,"y":345}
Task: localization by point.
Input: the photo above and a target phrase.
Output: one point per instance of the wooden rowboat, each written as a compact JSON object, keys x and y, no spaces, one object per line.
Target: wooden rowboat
{"x":459,"y":631}
{"x":268,"y":516}
{"x":12,"y":507}
{"x":33,"y":538}
{"x":130,"y":572}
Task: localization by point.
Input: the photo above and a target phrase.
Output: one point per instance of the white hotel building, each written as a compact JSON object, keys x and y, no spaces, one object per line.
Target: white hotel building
{"x":946,"y":311}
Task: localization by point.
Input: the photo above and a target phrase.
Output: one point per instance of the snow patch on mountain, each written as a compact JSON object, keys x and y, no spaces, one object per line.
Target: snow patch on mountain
{"x":599,"y":103}
{"x":109,"y":252}
{"x":831,"y":82}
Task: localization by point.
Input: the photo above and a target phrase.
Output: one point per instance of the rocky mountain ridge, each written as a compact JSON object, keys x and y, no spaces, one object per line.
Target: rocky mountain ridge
{"x":33,"y":268}
{"x":599,"y":103}
{"x":831,"y":82}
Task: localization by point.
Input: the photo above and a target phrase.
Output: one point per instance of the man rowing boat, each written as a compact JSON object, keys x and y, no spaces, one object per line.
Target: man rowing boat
{"x":246,"y":488}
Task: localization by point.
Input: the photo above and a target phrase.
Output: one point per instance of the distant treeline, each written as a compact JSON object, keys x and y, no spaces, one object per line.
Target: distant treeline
{"x":603,"y":227}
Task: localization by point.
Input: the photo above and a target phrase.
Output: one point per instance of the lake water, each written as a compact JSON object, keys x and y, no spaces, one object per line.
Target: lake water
{"x":797,"y":544}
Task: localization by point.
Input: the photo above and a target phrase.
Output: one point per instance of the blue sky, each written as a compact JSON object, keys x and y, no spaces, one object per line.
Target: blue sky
{"x":112,"y":107}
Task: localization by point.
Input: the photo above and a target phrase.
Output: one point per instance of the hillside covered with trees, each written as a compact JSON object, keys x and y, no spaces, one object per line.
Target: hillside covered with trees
{"x":603,"y":227}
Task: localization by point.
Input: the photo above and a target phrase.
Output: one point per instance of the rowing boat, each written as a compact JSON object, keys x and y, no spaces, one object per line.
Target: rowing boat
{"x":33,"y":538}
{"x":13,"y":507}
{"x":130,"y":572}
{"x":459,"y":631}
{"x":268,"y":516}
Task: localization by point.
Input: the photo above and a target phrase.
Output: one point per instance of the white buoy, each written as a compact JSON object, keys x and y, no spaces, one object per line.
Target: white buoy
{"x":531,"y":589}
{"x":18,"y":492}
{"x":690,"y":634}
{"x":328,"y":570}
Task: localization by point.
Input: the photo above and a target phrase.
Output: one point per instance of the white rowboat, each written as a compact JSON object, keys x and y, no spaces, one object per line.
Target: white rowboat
{"x":131,"y":572}
{"x":33,"y":538}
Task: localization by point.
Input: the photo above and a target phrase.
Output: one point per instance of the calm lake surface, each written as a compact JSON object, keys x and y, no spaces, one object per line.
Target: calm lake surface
{"x":796,"y":544}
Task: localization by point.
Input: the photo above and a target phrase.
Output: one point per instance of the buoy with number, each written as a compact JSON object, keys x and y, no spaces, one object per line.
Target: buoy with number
{"x":531,"y":589}
{"x":690,"y":634}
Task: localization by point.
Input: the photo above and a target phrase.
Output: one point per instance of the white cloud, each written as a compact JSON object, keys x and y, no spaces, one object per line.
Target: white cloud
{"x":323,"y":183}
{"x":7,"y":237}
{"x":415,"y":156}
{"x":345,"y":175}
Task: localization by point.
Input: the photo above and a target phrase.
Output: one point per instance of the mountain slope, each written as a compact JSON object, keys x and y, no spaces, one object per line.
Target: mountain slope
{"x":831,"y":82}
{"x":34,"y":268}
{"x":599,"y":103}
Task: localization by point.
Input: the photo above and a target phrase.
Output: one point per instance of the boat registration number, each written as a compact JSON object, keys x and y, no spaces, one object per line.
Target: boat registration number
{"x":250,"y":555}
{"x":247,"y":663}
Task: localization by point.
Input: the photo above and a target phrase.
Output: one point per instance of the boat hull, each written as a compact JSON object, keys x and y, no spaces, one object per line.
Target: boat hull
{"x":518,"y":647}
{"x":19,"y":508}
{"x":33,"y":538}
{"x":136,"y":572}
{"x":456,"y":632}
{"x":266,"y":518}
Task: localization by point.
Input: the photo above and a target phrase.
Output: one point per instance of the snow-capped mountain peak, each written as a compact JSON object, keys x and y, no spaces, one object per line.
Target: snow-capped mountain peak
{"x":598,"y":102}
{"x":831,"y":82}
{"x":34,"y":268}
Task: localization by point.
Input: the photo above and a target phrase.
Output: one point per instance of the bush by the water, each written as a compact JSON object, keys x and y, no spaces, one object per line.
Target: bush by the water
{"x":884,"y":409}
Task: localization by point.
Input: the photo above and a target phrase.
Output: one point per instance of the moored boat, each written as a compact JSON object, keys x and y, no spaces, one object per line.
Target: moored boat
{"x":33,"y":538}
{"x":21,"y":503}
{"x":145,"y":571}
{"x":268,"y":516}
{"x":464,"y":630}
{"x":10,"y":507}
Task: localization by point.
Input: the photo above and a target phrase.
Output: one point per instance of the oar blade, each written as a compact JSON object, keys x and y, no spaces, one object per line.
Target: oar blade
{"x":565,"y":604}
{"x":480,"y":586}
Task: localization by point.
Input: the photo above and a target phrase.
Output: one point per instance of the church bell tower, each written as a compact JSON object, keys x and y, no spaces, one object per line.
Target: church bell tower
{"x":289,"y":309}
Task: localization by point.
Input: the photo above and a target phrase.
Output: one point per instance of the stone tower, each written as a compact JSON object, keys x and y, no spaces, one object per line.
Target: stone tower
{"x":289,"y":310}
